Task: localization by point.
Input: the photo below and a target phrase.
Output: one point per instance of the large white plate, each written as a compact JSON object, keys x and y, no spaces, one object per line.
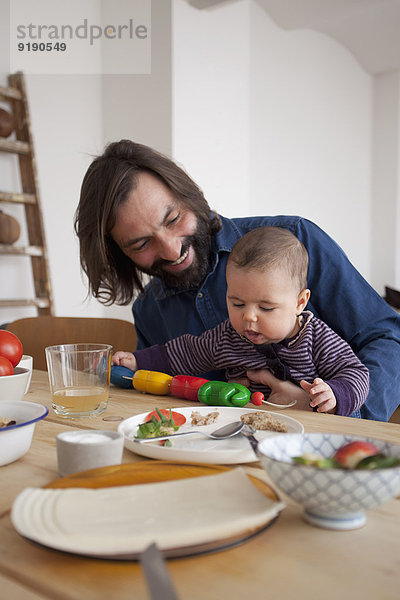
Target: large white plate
{"x":193,"y":448}
{"x":80,"y":521}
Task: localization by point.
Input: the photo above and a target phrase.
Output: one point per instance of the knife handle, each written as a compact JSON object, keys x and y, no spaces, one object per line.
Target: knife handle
{"x":157,"y":576}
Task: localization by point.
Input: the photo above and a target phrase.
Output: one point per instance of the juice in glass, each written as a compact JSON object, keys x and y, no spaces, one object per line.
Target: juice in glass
{"x":79,"y":377}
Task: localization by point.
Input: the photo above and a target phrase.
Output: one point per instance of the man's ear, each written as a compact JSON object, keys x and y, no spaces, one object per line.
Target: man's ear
{"x":302,"y":300}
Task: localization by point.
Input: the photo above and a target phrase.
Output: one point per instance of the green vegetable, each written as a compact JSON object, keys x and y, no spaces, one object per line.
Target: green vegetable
{"x":377,"y":461}
{"x":318,"y":461}
{"x":156,"y":427}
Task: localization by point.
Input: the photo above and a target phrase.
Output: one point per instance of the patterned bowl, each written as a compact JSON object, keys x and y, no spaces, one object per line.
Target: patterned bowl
{"x":332,"y":498}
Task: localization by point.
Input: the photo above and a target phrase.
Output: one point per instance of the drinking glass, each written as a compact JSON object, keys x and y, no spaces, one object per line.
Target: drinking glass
{"x":79,"y":377}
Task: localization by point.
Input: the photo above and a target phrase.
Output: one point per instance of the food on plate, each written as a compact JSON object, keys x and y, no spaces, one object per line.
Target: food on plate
{"x":160,"y":422}
{"x":351,"y":454}
{"x":178,"y":418}
{"x":354,"y":455}
{"x":262,"y":420}
{"x":199,"y":419}
{"x":10,"y":347}
{"x":308,"y":458}
{"x":5,"y":422}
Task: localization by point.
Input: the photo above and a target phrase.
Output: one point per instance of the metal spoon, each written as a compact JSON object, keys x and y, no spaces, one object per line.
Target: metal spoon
{"x":249,"y":431}
{"x":222,"y":433}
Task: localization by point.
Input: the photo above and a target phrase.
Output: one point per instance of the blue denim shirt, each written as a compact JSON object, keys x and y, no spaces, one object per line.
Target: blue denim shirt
{"x":339,"y":296}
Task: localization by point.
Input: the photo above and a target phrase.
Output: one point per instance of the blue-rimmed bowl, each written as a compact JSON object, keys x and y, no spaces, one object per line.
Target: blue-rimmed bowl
{"x":331,"y":498}
{"x":15,"y":440}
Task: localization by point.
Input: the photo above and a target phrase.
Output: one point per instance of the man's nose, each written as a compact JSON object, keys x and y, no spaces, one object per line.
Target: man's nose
{"x":170,"y":248}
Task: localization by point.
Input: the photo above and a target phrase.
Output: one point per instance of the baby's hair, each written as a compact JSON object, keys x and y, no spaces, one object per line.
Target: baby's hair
{"x":266,"y":247}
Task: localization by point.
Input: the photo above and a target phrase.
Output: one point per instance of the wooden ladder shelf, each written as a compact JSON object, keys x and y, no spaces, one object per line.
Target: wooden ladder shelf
{"x":15,"y":96}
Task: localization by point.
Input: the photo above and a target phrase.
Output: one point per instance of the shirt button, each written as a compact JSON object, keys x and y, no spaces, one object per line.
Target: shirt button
{"x":200,"y":295}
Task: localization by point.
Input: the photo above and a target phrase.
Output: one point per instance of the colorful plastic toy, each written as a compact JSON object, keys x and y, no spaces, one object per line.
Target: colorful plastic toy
{"x":220,"y":393}
{"x":152,"y":382}
{"x":187,"y":387}
{"x":121,"y":376}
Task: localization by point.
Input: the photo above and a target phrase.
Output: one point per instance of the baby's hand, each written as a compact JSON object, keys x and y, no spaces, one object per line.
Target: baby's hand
{"x":321,"y":395}
{"x":124,"y":359}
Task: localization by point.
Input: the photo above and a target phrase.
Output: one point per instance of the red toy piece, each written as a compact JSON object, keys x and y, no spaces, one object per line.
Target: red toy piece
{"x":257,"y":398}
{"x":186,"y":386}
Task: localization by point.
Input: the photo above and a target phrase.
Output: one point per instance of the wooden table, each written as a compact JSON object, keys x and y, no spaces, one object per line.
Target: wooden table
{"x":292,"y":559}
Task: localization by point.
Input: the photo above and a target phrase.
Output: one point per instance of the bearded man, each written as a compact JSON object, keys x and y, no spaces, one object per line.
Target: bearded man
{"x":147,"y":233}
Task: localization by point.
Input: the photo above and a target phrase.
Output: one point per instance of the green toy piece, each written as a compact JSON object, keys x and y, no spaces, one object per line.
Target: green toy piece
{"x":220,"y":393}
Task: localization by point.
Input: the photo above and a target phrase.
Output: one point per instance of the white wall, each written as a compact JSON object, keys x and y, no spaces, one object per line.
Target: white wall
{"x":385,"y":229}
{"x":67,"y":135}
{"x":310,"y":132}
{"x":138,"y":107}
{"x":265,"y":120}
{"x":211,"y":100}
{"x":273,"y":122}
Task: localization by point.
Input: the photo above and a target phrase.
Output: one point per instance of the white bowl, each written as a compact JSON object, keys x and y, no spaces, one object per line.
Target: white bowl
{"x":15,"y":440}
{"x":12,"y":387}
{"x":26,"y":362}
{"x":82,"y":449}
{"x":331,"y":498}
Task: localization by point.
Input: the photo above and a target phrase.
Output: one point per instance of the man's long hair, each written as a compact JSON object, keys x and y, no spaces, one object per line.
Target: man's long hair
{"x":108,"y":182}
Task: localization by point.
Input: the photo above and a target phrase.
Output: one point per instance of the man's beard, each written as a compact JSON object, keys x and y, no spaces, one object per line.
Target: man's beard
{"x":193,"y":275}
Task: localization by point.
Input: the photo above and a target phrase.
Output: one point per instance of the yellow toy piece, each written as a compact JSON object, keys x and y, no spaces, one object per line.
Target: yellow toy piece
{"x":151,"y":382}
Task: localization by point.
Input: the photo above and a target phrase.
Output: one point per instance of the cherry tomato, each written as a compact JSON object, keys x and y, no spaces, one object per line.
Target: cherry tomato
{"x":10,"y":347}
{"x":6,"y":367}
{"x":178,"y":418}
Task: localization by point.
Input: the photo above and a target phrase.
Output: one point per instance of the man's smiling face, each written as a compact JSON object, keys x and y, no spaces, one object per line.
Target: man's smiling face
{"x":160,"y":235}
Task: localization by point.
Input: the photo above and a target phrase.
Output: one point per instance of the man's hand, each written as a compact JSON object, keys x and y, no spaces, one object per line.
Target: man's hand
{"x":282,"y":392}
{"x":242,"y":380}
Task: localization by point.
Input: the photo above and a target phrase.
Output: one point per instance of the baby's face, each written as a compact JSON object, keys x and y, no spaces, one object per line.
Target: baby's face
{"x":263,"y":305}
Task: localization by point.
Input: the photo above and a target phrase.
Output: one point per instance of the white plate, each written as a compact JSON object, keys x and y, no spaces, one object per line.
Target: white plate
{"x":194,"y":448}
{"x":71,"y":519}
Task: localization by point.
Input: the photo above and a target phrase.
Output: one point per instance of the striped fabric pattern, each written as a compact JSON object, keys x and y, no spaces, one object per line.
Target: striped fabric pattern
{"x":316,"y":351}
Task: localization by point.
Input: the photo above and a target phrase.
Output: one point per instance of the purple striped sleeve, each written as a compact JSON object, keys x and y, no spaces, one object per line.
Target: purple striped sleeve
{"x":154,"y":358}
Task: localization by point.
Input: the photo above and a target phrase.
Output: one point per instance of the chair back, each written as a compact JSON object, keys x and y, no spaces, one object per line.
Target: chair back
{"x":36,"y":333}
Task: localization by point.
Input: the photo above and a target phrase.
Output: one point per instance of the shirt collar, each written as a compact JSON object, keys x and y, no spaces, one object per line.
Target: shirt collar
{"x":226,"y":237}
{"x":305,"y":318}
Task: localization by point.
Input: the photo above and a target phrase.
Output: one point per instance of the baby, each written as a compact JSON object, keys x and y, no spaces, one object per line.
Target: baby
{"x":268,"y":328}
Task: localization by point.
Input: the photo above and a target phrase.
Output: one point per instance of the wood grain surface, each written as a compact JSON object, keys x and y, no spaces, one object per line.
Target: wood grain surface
{"x":291,"y":560}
